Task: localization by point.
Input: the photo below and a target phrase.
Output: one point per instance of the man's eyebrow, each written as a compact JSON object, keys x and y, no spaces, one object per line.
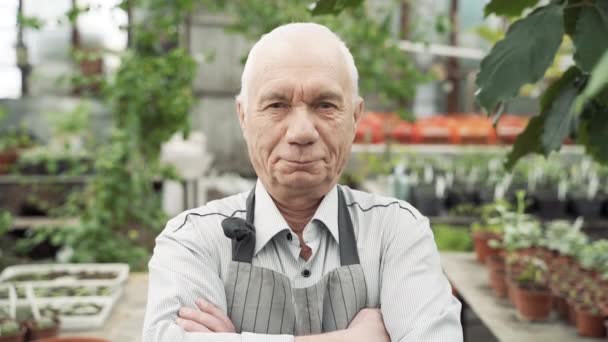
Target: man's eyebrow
{"x":273,"y":96}
{"x":328,"y":95}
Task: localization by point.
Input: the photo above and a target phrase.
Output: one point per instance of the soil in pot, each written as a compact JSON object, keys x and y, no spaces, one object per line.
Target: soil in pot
{"x":533,"y":304}
{"x":589,"y":324}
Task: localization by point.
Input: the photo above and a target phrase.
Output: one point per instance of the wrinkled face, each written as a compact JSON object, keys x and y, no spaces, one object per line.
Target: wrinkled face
{"x":300,"y":118}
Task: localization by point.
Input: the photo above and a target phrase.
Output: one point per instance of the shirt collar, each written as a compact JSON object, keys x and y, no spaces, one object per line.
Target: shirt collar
{"x":268,"y":221}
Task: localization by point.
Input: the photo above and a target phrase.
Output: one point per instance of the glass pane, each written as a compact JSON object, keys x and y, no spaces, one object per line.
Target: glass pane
{"x":10,"y":83}
{"x":8,"y":14}
{"x":7,"y":47}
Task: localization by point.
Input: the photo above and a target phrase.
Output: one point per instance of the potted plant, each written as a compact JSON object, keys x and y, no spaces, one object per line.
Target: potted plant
{"x":497,"y":268}
{"x":42,"y":328}
{"x":489,"y":228}
{"x":533,"y":297}
{"x":593,"y":258}
{"x":589,"y":318}
{"x":11,"y":331}
{"x":498,"y":277}
{"x":11,"y":140}
{"x":44,"y":161}
{"x":560,"y":288}
{"x":564,"y":240}
{"x":550,"y":191}
{"x":585,"y":195}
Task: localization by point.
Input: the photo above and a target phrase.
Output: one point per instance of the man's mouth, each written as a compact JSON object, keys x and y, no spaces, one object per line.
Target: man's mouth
{"x":302,"y":163}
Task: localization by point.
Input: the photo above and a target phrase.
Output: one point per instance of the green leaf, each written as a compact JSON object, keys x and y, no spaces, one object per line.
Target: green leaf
{"x":571,"y":13}
{"x":30,"y":22}
{"x":510,"y":8}
{"x":591,"y":36}
{"x":522,"y":57}
{"x":598,"y":81}
{"x":593,"y":131}
{"x":334,"y":7}
{"x":559,"y":115}
{"x":546,"y":132}
{"x":527,"y":142}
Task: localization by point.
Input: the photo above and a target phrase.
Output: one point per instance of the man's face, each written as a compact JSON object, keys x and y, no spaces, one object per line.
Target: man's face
{"x":300,"y":119}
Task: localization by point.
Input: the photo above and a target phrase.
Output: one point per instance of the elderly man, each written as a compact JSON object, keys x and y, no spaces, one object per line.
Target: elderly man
{"x":299,"y":258}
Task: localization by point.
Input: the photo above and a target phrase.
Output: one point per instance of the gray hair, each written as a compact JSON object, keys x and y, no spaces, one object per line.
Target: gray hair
{"x":289,"y":29}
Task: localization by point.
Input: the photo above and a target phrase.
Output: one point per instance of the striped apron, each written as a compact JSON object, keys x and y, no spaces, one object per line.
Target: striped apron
{"x":263,"y":301}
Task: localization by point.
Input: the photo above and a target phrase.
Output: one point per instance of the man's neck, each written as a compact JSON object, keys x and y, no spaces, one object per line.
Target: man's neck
{"x":298,"y":216}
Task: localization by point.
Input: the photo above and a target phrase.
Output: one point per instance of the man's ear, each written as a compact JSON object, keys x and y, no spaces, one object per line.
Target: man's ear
{"x":240,"y":111}
{"x":359,"y":110}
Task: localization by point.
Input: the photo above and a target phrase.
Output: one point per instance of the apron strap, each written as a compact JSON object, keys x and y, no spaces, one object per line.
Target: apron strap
{"x":349,"y":254}
{"x":242,"y":232}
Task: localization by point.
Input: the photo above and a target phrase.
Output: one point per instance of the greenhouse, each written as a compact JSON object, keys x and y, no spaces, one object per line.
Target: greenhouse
{"x":293,"y":171}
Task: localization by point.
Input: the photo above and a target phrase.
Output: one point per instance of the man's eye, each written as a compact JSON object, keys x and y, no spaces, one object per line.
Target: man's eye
{"x":277,"y":105}
{"x":326,"y":105}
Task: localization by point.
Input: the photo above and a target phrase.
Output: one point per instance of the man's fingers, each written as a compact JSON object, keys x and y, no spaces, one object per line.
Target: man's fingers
{"x":215,"y":312}
{"x":202,"y":318}
{"x":191,"y":326}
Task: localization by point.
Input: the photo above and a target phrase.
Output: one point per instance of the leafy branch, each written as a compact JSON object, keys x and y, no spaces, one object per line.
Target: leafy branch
{"x":575,"y":104}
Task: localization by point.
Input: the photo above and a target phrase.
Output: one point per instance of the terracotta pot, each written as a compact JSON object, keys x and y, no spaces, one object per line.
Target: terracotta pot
{"x":588,"y":324}
{"x":530,"y":251}
{"x":511,"y":292}
{"x":498,"y":283}
{"x":33,"y":333}
{"x":7,"y":158}
{"x":563,"y":260}
{"x":480,"y":243}
{"x":571,"y":313}
{"x":561,"y":307}
{"x":496,"y":262}
{"x":15,"y":338}
{"x":533,"y":305}
{"x":604,"y":308}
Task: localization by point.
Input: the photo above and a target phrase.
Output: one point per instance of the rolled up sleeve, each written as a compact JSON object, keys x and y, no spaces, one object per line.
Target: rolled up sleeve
{"x":182,"y":269}
{"x":416,"y":298}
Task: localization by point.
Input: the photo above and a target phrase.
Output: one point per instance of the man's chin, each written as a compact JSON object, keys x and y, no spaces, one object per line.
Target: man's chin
{"x":301,"y":180}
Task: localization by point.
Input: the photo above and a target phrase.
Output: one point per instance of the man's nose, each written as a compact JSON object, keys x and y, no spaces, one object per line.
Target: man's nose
{"x":301,"y":130}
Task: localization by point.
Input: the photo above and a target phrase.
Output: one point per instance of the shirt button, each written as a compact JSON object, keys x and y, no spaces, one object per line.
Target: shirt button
{"x":289,"y":237}
{"x":306,"y":273}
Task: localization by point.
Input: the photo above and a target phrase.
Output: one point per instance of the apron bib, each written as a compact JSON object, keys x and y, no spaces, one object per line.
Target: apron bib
{"x":263,"y":301}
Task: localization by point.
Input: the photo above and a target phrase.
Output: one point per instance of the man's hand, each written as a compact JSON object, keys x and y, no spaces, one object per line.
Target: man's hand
{"x":207,"y":319}
{"x":367,"y":326}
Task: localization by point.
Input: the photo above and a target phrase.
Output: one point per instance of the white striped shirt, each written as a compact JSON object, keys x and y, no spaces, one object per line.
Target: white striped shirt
{"x":396,"y":250}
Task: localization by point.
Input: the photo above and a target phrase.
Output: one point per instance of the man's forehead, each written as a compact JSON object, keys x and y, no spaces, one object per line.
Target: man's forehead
{"x":289,"y":87}
{"x":309,"y":73}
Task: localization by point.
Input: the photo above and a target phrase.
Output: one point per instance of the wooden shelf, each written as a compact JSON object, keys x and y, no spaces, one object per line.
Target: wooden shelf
{"x":44,"y":179}
{"x":35,"y":222}
{"x":471,"y":281}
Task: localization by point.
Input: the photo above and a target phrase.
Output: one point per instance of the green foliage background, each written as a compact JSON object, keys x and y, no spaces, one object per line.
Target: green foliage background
{"x":576,"y":104}
{"x":385,"y":72}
